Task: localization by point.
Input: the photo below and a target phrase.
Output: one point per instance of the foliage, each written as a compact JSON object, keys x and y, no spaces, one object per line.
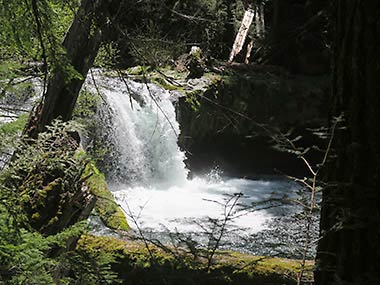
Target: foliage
{"x":207,"y":23}
{"x":193,"y":101}
{"x":86,"y":106}
{"x":14,"y":127}
{"x":17,"y":36}
{"x":24,"y":254}
{"x":92,"y":112}
{"x":107,"y":56}
{"x":151,"y":47}
{"x":9,"y":71}
{"x":47,"y":176}
{"x":19,"y":33}
{"x":36,"y":235}
{"x":30,"y":39}
{"x":168,"y":28}
{"x":26,"y":257}
{"x":10,"y":132}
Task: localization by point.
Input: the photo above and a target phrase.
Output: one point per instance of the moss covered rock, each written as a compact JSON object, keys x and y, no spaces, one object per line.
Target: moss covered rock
{"x":231,"y":120}
{"x":46,"y":177}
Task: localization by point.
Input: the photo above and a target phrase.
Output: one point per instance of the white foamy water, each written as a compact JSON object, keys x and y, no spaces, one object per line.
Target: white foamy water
{"x":182,"y":207}
{"x":145,"y":133}
{"x":151,"y":185}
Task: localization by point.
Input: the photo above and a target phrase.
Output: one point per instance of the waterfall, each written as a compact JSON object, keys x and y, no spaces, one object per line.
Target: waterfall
{"x":145,"y":131}
{"x":149,"y":178}
{"x":150,"y":170}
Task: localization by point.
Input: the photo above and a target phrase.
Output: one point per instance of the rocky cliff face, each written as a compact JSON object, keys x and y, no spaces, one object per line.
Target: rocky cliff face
{"x":230,"y":120}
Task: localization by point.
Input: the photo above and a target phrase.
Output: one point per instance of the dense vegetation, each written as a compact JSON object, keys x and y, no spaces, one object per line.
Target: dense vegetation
{"x":49,"y":185}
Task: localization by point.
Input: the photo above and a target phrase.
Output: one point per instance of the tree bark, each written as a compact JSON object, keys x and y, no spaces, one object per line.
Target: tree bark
{"x":259,"y":20}
{"x":81,"y":45}
{"x":242,"y":33}
{"x":349,"y":249}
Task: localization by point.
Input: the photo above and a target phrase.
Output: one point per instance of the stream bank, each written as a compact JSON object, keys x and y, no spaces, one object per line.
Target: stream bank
{"x":148,"y":172}
{"x":135,"y":264}
{"x":230,"y":116}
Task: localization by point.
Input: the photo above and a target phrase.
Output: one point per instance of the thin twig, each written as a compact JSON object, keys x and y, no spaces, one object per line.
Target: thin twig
{"x":309,"y":215}
{"x":97,"y":88}
{"x":227,"y":216}
{"x":41,"y":40}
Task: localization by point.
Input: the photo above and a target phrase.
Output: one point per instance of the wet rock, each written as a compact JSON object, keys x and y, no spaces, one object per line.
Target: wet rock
{"x":228,"y":120}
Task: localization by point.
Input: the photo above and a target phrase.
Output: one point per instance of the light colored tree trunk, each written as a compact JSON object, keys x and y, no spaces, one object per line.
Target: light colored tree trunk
{"x":249,"y":51}
{"x":242,"y":33}
{"x":260,"y":29}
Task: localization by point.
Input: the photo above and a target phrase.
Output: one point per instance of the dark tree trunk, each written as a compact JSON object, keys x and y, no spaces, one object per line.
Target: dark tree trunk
{"x":280,"y":30}
{"x":349,"y":249}
{"x":81,"y":45}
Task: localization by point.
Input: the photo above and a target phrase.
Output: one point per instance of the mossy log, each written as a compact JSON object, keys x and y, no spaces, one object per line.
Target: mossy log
{"x":135,"y":264}
{"x":106,"y":206}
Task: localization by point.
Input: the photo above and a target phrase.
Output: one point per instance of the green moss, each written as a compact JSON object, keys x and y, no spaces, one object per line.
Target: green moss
{"x":192,"y":99}
{"x":164,"y":84}
{"x":132,"y":253}
{"x":137,"y":265}
{"x":36,"y":216}
{"x":106,"y":207}
{"x":53,"y":221}
{"x":138,"y":70}
{"x":213,"y":77}
{"x":52,"y":186}
{"x":265,"y":266}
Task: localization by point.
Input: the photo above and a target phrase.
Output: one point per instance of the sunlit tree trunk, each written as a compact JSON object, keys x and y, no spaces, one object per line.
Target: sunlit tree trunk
{"x":242,"y":33}
{"x":249,"y":52}
{"x":259,"y":30}
{"x":349,"y":248}
{"x":81,"y":45}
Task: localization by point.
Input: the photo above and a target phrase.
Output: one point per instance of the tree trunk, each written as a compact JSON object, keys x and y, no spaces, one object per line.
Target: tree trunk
{"x":242,"y":33}
{"x":81,"y":45}
{"x":249,"y":52}
{"x":259,"y":20}
{"x":279,"y":20}
{"x":349,"y":249}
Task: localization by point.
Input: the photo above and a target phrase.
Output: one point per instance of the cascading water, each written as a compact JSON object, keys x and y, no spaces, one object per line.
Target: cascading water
{"x":145,"y":133}
{"x":151,"y":183}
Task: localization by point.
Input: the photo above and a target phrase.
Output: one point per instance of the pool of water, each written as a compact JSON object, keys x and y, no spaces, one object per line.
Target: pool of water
{"x":256,"y":216}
